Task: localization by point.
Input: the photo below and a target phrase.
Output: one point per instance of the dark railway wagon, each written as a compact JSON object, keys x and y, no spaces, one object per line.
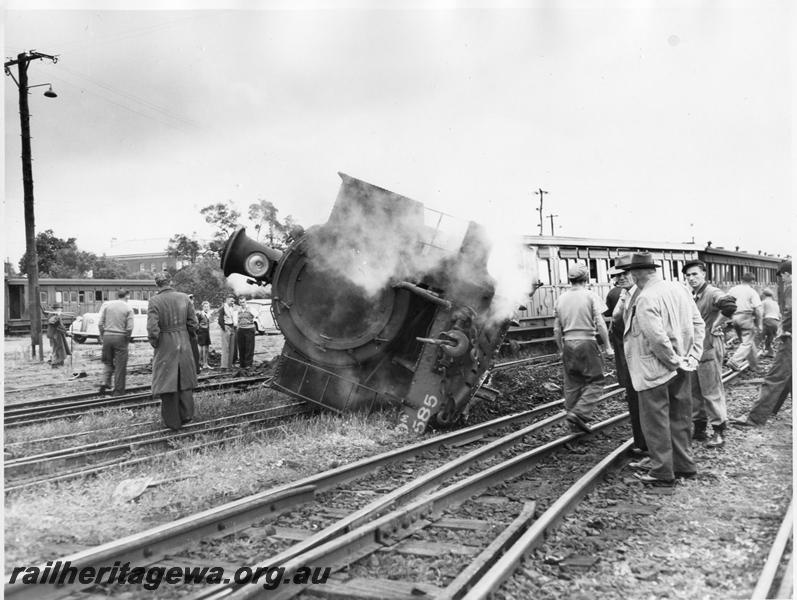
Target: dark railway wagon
{"x":77,"y":296}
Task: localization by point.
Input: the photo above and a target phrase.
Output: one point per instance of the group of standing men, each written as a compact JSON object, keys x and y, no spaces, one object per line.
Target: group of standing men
{"x":669,"y":348}
{"x":180,"y":337}
{"x":237,"y":325}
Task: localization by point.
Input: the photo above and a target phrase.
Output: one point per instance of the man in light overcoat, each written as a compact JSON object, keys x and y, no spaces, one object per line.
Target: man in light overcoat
{"x":663,"y":342}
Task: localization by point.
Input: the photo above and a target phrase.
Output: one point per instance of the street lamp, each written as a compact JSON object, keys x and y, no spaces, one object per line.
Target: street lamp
{"x":32,"y":267}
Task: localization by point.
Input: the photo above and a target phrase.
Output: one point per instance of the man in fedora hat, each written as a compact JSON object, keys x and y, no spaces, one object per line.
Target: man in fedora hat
{"x":777,"y":385}
{"x":663,"y":341}
{"x":619,"y":314}
{"x":578,"y":318}
{"x":708,"y":396}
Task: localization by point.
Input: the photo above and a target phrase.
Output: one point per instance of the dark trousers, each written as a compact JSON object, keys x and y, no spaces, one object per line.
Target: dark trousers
{"x":177,"y":408}
{"x":246,"y":346}
{"x":777,"y":384}
{"x":583,"y":376}
{"x":114,"y":361}
{"x":665,"y":413}
{"x":632,"y":397}
{"x":769,"y":332}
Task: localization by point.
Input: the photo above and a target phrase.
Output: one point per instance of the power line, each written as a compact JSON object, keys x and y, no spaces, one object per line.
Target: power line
{"x":129,"y":96}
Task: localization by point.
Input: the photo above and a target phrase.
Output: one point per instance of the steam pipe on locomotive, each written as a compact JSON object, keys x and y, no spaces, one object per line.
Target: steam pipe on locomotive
{"x":382,"y":305}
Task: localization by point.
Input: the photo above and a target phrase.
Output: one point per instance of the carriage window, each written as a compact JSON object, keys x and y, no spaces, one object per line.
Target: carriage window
{"x":545,"y":271}
{"x":43,"y":298}
{"x":603,"y":270}
{"x":592,"y":264}
{"x":97,"y":295}
{"x":563,"y":271}
{"x":676,"y":271}
{"x":141,"y":267}
{"x":81,"y":296}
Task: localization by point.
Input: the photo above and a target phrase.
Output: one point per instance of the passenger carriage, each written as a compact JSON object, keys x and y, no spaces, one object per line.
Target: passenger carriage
{"x":552,"y":256}
{"x":77,"y":297}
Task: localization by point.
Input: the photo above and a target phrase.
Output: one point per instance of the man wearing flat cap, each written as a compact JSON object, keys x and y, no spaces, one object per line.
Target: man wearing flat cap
{"x":170,"y":322}
{"x":578,"y":318}
{"x":777,"y":385}
{"x":708,"y":396}
{"x":663,"y":341}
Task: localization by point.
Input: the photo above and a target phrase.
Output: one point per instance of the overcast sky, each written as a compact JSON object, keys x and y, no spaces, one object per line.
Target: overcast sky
{"x":660,"y":121}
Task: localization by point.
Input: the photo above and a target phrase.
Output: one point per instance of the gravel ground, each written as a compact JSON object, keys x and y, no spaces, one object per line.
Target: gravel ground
{"x":706,"y":538}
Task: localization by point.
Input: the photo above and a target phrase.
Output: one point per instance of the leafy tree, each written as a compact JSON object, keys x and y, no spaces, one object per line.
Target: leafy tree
{"x":47,"y":247}
{"x":109,"y":268}
{"x":292,"y":231}
{"x":225,"y":218}
{"x":72,"y":263}
{"x":183,"y":248}
{"x":204,"y":279}
{"x":264,"y":216}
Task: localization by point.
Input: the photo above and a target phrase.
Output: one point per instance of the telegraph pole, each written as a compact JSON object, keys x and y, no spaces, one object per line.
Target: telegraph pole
{"x":540,"y":192}
{"x":32,"y":267}
{"x":551,"y":217}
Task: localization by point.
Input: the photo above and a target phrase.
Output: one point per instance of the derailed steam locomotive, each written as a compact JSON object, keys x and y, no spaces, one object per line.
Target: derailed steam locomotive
{"x":388,"y":303}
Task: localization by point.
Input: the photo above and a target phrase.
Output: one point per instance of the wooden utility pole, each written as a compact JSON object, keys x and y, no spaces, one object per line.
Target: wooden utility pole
{"x":32,"y":266}
{"x":540,"y":192}
{"x":551,"y":217}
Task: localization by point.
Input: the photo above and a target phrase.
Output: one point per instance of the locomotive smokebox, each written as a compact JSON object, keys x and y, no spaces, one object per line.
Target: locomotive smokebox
{"x":385,"y":304}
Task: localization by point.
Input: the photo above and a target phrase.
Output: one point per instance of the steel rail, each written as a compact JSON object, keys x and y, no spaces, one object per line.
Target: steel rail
{"x":136,"y":441}
{"x":535,"y":535}
{"x":412,"y":489}
{"x":97,"y":468}
{"x":160,"y":541}
{"x":511,"y":558}
{"x":521,"y":361}
{"x":770,"y":570}
{"x":57,"y":400}
{"x":307,"y":552}
{"x":154,"y":544}
{"x":20,"y":417}
{"x":401,"y":522}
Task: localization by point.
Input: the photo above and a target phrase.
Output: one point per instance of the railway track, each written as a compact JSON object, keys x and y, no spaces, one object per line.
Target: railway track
{"x":74,"y":462}
{"x":68,"y":407}
{"x":394,"y":514}
{"x":777,"y":576}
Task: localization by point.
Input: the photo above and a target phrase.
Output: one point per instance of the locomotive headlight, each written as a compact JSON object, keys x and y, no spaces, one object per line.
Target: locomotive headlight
{"x":256,"y":264}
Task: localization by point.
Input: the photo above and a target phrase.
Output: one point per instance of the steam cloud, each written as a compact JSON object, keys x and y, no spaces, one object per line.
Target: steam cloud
{"x":375,"y":238}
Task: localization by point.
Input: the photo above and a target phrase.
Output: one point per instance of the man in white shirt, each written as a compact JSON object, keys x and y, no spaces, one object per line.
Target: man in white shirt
{"x":746,"y":320}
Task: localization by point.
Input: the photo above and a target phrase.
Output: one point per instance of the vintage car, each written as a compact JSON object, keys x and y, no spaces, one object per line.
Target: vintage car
{"x":86,"y":326}
{"x":264,"y":320}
